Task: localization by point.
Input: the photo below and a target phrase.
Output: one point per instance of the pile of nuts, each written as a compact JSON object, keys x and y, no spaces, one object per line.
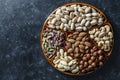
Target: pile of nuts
{"x":52,"y":39}
{"x":78,"y":43}
{"x":92,"y":60}
{"x":103,"y":37}
{"x":76,"y":37}
{"x":75,"y":17}
{"x":65,"y":63}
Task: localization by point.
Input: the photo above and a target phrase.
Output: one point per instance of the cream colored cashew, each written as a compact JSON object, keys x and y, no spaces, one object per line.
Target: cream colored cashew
{"x":110,"y":34}
{"x":100,"y":43}
{"x":107,"y":28}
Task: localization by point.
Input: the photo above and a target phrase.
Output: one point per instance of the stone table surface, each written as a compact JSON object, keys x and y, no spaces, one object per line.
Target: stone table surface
{"x":20,"y":54}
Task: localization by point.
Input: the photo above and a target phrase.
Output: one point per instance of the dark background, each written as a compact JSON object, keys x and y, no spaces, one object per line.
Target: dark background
{"x":20,"y":54}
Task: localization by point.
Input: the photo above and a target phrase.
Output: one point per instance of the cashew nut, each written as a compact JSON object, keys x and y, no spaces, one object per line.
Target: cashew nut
{"x":110,"y":34}
{"x":92,"y":32}
{"x":92,"y":36}
{"x":102,"y":34}
{"x":105,"y":38}
{"x":102,"y":29}
{"x":107,"y":42}
{"x":96,"y":34}
{"x":107,"y":28}
{"x":106,"y":48}
{"x":96,"y":39}
{"x":100,"y":43}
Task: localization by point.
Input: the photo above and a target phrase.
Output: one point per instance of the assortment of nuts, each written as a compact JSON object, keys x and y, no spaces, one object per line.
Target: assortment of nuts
{"x":103,"y":37}
{"x":52,"y":39}
{"x":75,"y":39}
{"x":75,"y":17}
{"x":65,"y":63}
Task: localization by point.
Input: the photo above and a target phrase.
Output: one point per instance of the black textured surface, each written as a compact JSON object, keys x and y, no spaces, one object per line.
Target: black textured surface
{"x":20,"y":54}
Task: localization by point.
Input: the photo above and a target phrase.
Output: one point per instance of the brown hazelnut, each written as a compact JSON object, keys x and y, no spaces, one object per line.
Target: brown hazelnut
{"x":90,"y":67}
{"x":95,"y":54}
{"x":99,"y":52}
{"x":90,"y":61}
{"x":87,"y":69}
{"x":84,"y":58}
{"x":83,"y":71}
{"x":86,"y":47}
{"x":81,"y":67}
{"x":100,"y":57}
{"x":93,"y":64}
{"x":88,"y":56}
{"x":85,"y":64}
{"x":91,"y":50}
{"x":92,"y":58}
{"x":81,"y":62}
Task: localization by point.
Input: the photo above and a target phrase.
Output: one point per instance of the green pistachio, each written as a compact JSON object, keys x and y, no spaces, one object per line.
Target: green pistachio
{"x":51,"y":49}
{"x":45,"y":46}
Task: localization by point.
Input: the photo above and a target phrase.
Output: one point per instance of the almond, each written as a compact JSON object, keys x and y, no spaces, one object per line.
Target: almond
{"x":88,"y":44}
{"x":70,"y":50}
{"x":71,"y":40}
{"x":82,"y":34}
